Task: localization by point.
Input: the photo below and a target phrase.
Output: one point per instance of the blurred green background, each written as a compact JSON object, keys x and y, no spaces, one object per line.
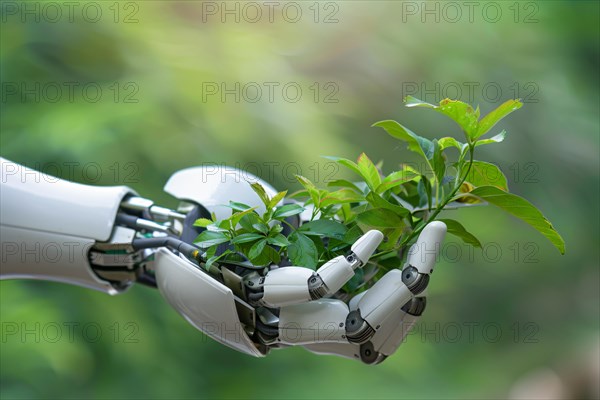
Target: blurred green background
{"x":114,"y":93}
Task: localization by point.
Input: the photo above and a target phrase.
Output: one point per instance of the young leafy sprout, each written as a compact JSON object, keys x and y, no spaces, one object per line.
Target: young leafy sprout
{"x":399,"y":204}
{"x":249,"y":234}
{"x":474,"y":180}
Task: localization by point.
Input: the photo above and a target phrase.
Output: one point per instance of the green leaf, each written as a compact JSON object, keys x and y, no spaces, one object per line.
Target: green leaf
{"x":211,"y":251}
{"x":324,"y":227}
{"x":311,"y":188}
{"x":223,"y":225}
{"x":344,"y":183}
{"x":276,"y":199}
{"x":216,"y":226}
{"x":495,"y":116}
{"x":380,"y":218}
{"x":455,"y":228}
{"x":341,"y":196}
{"x":261,"y":227}
{"x":397,"y":178}
{"x":275,"y":229}
{"x":460,"y":112}
{"x":446,"y":142}
{"x":352,"y":235}
{"x":345,"y":162}
{"x":299,"y":193}
{"x":494,"y":139}
{"x":260,"y":257}
{"x":416,"y":143}
{"x":410,"y":101}
{"x":210,"y":238}
{"x":485,"y":174}
{"x":246,"y":237}
{"x":392,"y":235}
{"x":302,"y":251}
{"x":269,"y":255}
{"x":256,"y":249}
{"x":278,"y":240}
{"x":260,"y":191}
{"x":379,"y":202}
{"x":211,"y":260}
{"x":318,"y":241}
{"x":203,"y":222}
{"x":247,"y":221}
{"x":463,"y":114}
{"x":424,"y":191}
{"x":238,"y":206}
{"x":368,"y":171}
{"x":236,"y":217}
{"x":287,"y":211}
{"x":439,"y":163}
{"x":521,"y":208}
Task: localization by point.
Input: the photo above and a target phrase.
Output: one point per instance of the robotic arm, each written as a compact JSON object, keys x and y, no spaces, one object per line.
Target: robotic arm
{"x":108,"y":238}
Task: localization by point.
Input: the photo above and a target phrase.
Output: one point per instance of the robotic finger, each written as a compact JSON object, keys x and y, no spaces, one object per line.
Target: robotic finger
{"x":291,"y":285}
{"x":396,"y":287}
{"x":384,"y":343}
{"x":375,"y":322}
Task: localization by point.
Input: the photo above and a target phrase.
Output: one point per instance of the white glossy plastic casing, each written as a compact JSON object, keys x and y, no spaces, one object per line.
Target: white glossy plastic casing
{"x":383,"y":298}
{"x":213,"y":186}
{"x":33,"y":200}
{"x":203,"y":301}
{"x":319,"y":321}
{"x":424,"y":253}
{"x":391,"y":336}
{"x":392,"y":331}
{"x":366,"y":245}
{"x":335,"y":273}
{"x":288,"y":285}
{"x":386,"y":341}
{"x":48,"y":226}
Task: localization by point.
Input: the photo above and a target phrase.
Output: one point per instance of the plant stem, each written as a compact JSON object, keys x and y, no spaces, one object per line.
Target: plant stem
{"x":441,"y":206}
{"x":294,"y":229}
{"x":314,"y":213}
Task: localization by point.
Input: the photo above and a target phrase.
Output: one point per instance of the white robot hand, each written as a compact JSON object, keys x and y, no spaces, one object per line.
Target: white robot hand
{"x":375,"y":322}
{"x":108,"y":238}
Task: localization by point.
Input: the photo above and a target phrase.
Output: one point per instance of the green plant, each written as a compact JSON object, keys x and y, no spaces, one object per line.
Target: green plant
{"x":399,"y":204}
